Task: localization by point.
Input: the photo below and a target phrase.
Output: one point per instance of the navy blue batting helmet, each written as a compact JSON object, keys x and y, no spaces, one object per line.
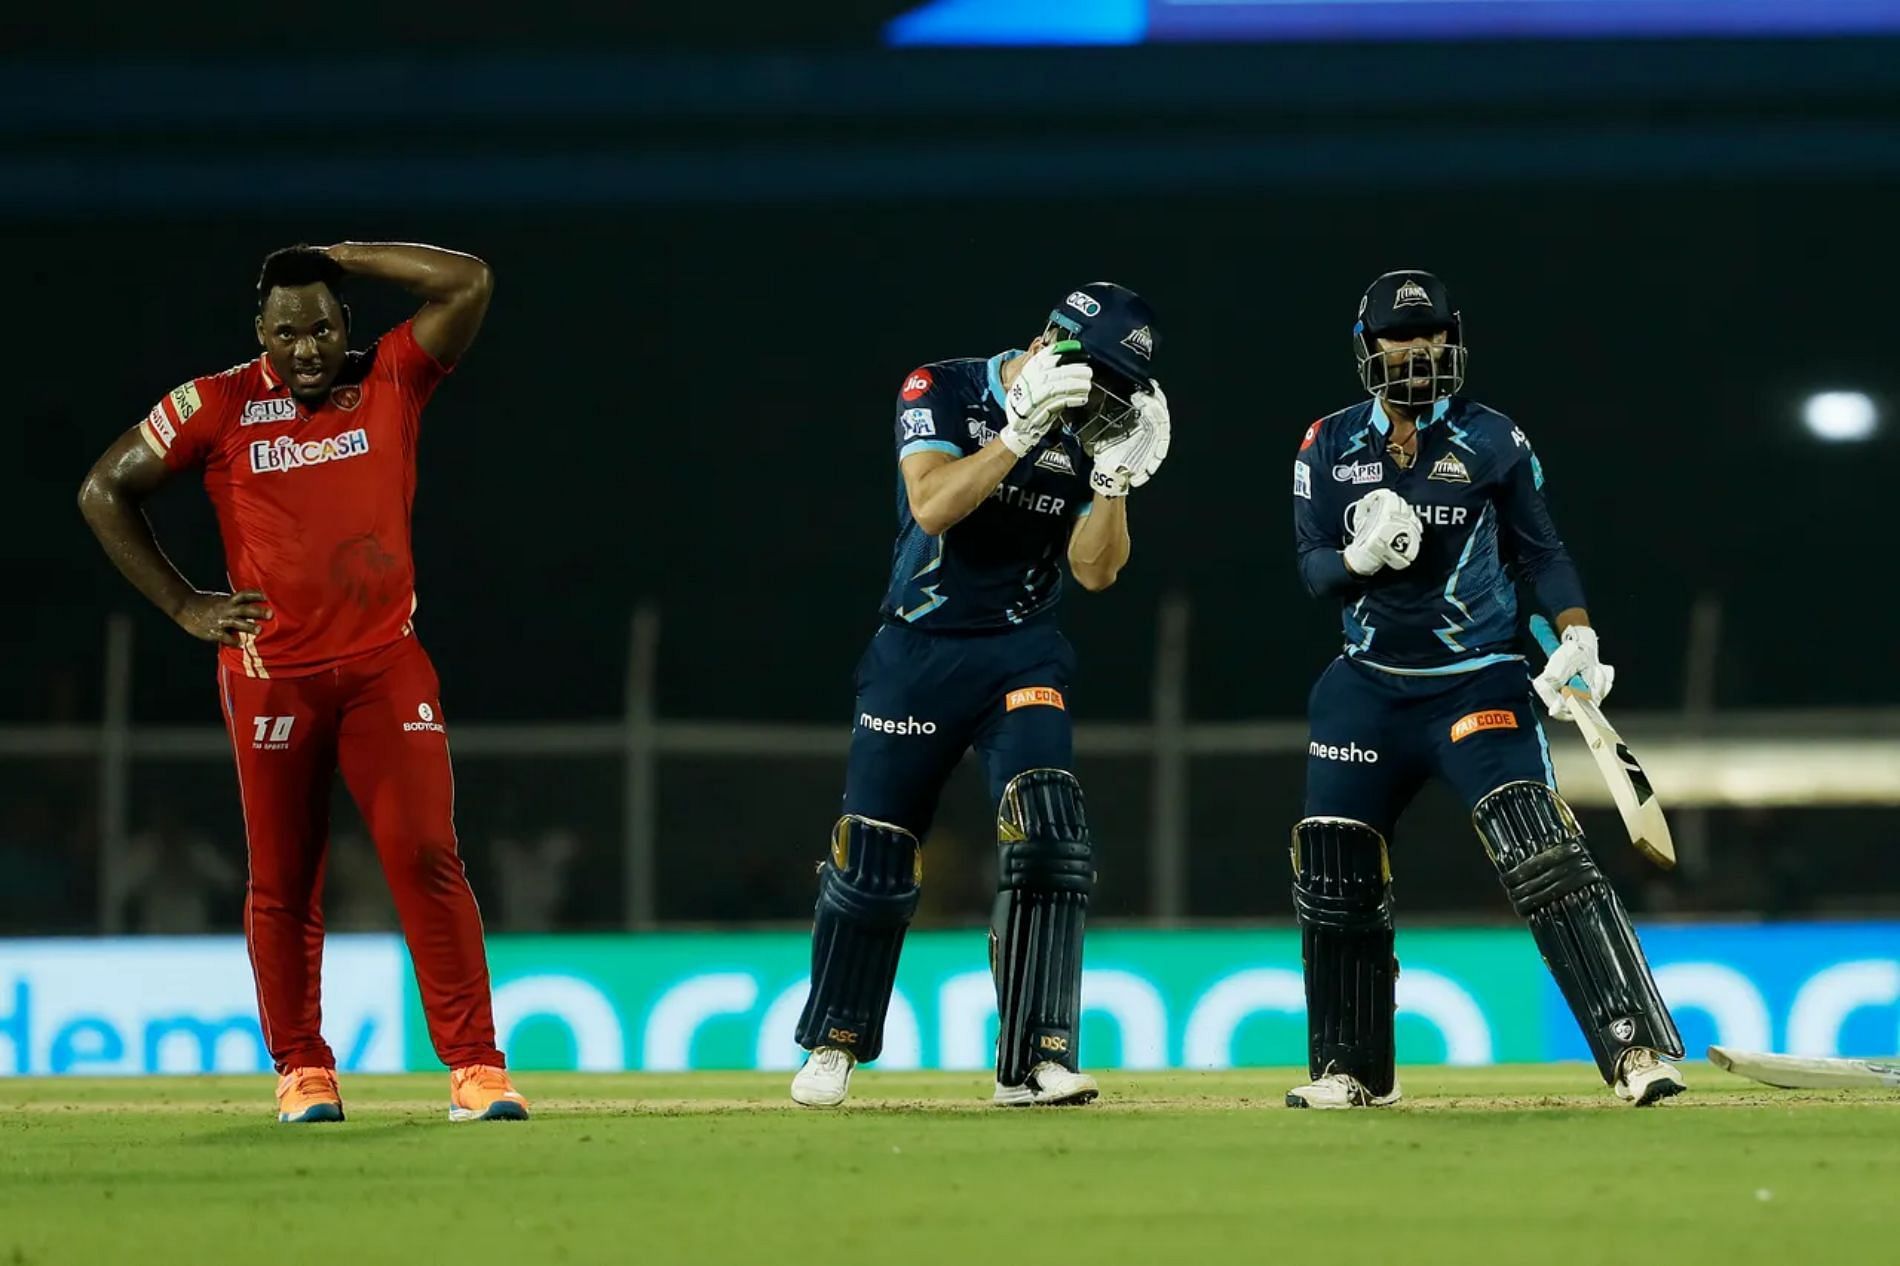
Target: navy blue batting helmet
{"x":1119,"y":336}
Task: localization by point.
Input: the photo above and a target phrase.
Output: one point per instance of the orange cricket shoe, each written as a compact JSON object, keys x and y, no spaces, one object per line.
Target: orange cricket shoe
{"x":308,"y":1095}
{"x":482,"y":1092}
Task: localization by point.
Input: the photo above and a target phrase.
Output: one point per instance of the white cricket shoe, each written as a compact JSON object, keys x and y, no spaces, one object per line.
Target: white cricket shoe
{"x":1643,"y":1077}
{"x":1048,"y":1085}
{"x":825,"y":1078}
{"x":1340,"y":1090}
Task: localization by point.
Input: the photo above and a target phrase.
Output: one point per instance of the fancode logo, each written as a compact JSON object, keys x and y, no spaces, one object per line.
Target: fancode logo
{"x":1359,"y":472}
{"x":258,"y":412}
{"x":1034,"y":697}
{"x":284,"y":453}
{"x":1476,"y":722}
{"x":917,"y":384}
{"x":1087,"y":304}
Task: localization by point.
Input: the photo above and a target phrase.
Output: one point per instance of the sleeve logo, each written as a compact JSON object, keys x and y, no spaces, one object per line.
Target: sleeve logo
{"x":1034,"y":697}
{"x":1302,"y":479}
{"x":160,"y":426}
{"x":1477,"y":722}
{"x":917,"y":384}
{"x":918,"y":423}
{"x":186,"y":401}
{"x":1312,"y":433}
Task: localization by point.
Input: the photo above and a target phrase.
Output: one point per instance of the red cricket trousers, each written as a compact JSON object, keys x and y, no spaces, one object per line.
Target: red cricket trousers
{"x":378,"y":720}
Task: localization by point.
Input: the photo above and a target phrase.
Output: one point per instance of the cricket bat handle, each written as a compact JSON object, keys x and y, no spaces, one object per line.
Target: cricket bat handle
{"x":1547,"y":638}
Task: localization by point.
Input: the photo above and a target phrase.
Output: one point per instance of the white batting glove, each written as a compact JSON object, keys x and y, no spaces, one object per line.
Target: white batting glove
{"x":1576,"y":656}
{"x":1385,"y":531}
{"x":1153,"y":405}
{"x":1121,"y":465}
{"x":1042,"y":390}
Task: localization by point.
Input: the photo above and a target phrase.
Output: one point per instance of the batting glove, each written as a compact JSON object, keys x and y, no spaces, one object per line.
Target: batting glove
{"x":1575,"y":656}
{"x":1385,"y":532}
{"x":1035,"y":401}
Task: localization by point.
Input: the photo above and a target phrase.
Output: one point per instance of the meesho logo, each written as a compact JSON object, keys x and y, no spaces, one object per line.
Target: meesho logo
{"x":284,"y":453}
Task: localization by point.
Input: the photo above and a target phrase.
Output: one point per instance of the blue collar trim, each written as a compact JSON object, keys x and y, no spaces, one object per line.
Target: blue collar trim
{"x":996,"y":372}
{"x":1384,"y":424}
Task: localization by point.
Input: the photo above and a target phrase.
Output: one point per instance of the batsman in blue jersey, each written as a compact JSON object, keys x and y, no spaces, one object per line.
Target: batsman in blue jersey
{"x":1421,"y":512}
{"x":1010,"y":466}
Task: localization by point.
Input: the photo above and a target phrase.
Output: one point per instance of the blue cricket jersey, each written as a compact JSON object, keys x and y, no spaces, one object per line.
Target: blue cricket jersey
{"x":1479,"y":490}
{"x":1001,"y":566}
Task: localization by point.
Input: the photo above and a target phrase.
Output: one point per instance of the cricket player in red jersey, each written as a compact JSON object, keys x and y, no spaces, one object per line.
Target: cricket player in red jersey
{"x":309,"y":457}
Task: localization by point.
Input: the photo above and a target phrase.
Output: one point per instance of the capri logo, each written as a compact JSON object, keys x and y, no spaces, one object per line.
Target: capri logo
{"x":284,"y":453}
{"x":906,"y":727}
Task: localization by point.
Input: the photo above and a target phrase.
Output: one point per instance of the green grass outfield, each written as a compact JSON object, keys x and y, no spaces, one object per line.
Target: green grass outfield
{"x":1482,"y":1167}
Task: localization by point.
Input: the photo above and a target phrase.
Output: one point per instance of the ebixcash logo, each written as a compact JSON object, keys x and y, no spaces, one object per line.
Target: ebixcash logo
{"x":284,"y":453}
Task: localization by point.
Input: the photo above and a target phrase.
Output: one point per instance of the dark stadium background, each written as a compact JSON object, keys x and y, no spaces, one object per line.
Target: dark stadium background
{"x":723,"y":234}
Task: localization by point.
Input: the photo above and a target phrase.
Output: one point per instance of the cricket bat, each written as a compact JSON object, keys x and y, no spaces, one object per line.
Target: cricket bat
{"x":1796,"y":1072}
{"x":1629,"y":786}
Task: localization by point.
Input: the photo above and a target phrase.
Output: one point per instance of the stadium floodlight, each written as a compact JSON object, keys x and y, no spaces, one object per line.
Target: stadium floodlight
{"x":1841,"y":417}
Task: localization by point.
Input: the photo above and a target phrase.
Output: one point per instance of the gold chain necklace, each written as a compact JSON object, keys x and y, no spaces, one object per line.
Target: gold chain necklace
{"x":1400,"y":455}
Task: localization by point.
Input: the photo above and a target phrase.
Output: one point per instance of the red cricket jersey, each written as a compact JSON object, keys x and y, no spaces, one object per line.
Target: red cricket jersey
{"x":313,"y":505}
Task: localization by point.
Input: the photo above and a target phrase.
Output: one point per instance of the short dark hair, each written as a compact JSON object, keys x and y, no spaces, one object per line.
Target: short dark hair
{"x":299,"y":265}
